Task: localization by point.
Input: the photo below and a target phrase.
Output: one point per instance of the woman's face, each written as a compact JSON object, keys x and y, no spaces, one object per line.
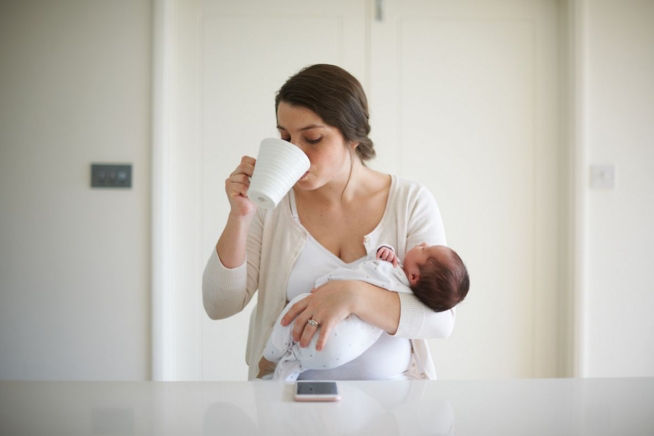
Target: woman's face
{"x":322,"y":143}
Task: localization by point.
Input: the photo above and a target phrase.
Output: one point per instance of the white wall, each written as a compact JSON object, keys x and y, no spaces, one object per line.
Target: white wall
{"x":618,"y":128}
{"x":74,"y":261}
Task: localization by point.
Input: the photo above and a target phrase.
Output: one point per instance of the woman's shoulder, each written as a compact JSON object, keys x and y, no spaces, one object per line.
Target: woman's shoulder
{"x":407,"y":184}
{"x":407,"y":190}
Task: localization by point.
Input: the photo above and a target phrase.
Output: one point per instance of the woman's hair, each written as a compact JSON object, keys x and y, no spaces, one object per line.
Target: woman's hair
{"x":442,"y":286}
{"x":337,"y":97}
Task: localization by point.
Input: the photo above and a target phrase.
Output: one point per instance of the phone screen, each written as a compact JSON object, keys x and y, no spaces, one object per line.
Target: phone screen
{"x":317,"y":388}
{"x":316,"y":391}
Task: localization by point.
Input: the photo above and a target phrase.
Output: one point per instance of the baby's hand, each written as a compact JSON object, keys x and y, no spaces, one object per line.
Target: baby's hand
{"x":387,"y":254}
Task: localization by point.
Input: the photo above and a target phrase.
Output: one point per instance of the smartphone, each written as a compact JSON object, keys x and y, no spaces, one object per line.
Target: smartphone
{"x":316,"y":391}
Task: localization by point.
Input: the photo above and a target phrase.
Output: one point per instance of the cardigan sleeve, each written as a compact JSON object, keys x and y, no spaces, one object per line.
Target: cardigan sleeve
{"x":417,"y":321}
{"x":226,"y":291}
{"x":423,"y":224}
{"x":423,"y":219}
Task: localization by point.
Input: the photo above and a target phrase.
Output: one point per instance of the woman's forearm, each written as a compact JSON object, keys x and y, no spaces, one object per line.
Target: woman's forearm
{"x":231,"y":246}
{"x":377,"y":306}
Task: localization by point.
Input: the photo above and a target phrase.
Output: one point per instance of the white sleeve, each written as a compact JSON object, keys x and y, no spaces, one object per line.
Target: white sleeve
{"x":417,"y":321}
{"x":424,"y":224}
{"x":226,"y":291}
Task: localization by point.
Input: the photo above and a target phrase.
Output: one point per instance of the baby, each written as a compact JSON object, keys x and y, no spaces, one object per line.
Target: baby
{"x":435,"y":274}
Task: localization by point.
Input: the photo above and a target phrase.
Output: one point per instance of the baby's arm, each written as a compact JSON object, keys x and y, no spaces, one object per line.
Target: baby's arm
{"x":387,"y":253}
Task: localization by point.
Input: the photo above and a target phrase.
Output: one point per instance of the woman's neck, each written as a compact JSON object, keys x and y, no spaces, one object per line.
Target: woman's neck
{"x":343,"y":189}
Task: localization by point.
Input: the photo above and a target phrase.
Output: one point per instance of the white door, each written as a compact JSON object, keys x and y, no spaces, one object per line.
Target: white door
{"x":464,"y":98}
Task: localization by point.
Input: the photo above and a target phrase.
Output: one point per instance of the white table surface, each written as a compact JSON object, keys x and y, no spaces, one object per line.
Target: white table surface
{"x":509,"y":407}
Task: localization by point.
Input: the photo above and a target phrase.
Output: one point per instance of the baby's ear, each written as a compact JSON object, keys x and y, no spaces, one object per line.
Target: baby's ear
{"x":413,"y":278}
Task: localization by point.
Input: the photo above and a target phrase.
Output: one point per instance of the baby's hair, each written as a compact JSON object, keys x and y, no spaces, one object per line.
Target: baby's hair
{"x":442,"y":285}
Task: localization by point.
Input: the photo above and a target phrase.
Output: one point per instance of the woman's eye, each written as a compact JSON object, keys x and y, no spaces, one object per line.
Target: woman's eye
{"x":314,"y":141}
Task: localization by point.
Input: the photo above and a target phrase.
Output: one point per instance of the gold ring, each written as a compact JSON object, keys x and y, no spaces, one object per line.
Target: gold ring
{"x":313,"y":323}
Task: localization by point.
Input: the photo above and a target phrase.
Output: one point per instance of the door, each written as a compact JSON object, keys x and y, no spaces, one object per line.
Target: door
{"x":467,"y":99}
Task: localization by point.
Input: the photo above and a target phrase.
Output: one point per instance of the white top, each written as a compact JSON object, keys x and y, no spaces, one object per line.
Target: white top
{"x":275,"y":240}
{"x":388,"y":357}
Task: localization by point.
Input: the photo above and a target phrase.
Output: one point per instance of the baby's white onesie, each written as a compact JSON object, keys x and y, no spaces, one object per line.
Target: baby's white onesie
{"x":349,"y":338}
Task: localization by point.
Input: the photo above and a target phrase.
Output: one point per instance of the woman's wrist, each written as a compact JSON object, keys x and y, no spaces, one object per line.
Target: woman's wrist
{"x":232,"y":242}
{"x":356,"y":296}
{"x":241,"y":218}
{"x":375,"y":305}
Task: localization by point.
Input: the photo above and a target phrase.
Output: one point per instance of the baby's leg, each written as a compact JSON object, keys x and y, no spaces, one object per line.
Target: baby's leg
{"x":280,"y":340}
{"x":348,"y":340}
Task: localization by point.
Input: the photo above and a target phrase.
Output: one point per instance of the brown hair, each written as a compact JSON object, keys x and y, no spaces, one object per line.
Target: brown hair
{"x":337,"y":97}
{"x":442,"y":286}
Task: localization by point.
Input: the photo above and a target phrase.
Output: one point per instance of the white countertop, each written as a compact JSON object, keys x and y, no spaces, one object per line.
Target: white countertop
{"x":509,"y":407}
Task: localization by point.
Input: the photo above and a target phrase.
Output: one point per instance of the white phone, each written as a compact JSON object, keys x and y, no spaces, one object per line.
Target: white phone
{"x":316,"y":391}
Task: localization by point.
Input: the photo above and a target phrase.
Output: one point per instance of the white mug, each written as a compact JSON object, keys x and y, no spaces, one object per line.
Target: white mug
{"x":279,"y":166}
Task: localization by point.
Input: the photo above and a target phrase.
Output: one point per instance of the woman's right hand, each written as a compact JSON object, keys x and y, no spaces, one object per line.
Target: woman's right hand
{"x":236,"y":187}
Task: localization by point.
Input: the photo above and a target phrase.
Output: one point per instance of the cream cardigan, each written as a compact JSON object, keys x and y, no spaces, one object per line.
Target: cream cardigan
{"x":274,"y":242}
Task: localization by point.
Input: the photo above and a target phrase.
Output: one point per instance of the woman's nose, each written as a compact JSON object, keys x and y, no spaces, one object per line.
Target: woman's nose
{"x":298,"y":145}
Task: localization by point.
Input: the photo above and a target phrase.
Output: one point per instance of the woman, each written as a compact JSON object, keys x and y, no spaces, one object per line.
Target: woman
{"x":339,"y":211}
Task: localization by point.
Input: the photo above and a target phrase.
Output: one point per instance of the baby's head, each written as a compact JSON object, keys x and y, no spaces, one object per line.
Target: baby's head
{"x":437,"y":276}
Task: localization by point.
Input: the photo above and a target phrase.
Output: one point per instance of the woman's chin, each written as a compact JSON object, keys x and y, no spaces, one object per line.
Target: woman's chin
{"x":304,"y":183}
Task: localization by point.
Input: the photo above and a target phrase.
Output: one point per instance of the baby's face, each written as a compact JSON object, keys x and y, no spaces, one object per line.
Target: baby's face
{"x":419,"y":254}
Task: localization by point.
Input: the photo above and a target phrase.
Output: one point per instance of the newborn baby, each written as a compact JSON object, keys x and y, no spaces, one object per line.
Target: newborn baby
{"x":435,"y":274}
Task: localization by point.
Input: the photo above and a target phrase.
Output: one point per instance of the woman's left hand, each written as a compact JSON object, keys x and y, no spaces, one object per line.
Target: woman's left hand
{"x":327,"y":305}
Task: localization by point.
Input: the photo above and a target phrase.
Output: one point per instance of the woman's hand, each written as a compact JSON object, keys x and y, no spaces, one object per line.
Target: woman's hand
{"x":231,"y":245}
{"x":236,"y":187}
{"x":328,"y":305}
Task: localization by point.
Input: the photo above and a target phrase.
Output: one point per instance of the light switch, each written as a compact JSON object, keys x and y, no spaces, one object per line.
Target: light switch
{"x":111,"y":176}
{"x":602,"y":176}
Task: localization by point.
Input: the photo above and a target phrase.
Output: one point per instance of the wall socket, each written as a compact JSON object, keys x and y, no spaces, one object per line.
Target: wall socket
{"x":111,"y":175}
{"x":602,"y":176}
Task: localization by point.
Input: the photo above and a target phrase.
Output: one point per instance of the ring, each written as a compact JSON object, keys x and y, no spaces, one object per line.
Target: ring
{"x":313,"y":322}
